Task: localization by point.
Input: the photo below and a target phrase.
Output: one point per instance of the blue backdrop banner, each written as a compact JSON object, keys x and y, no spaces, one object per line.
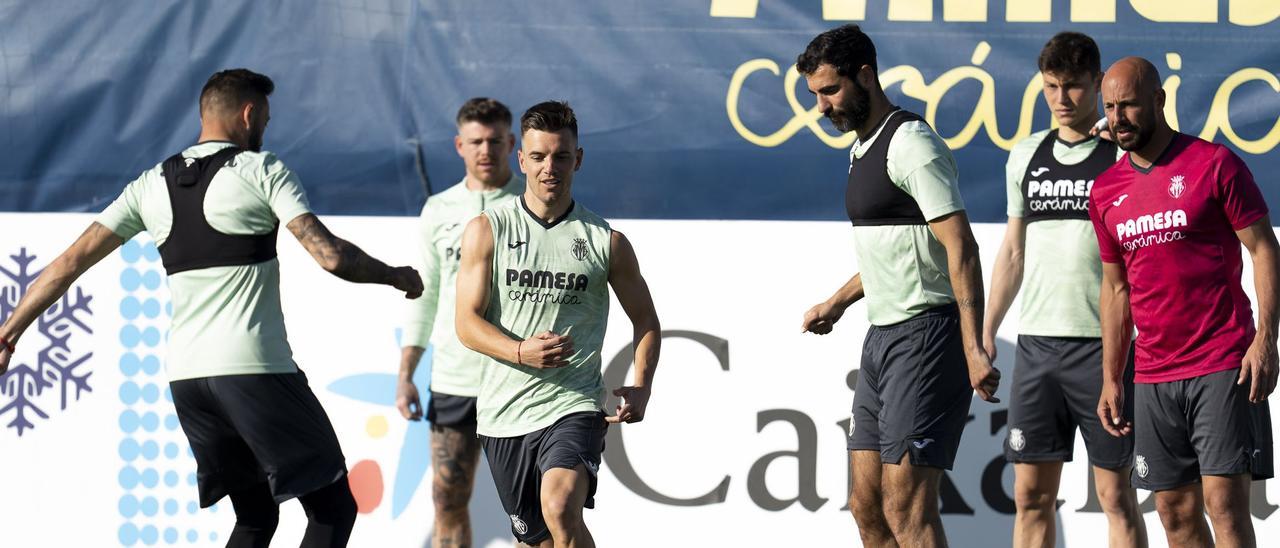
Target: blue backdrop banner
{"x":688,"y":110}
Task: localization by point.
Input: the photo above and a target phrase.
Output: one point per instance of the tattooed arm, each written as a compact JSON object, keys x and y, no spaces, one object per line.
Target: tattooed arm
{"x":344,"y":260}
{"x":97,"y":242}
{"x":953,"y":232}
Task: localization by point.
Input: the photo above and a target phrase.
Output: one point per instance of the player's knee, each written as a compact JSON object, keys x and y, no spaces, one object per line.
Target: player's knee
{"x":1222,"y":506}
{"x":345,"y":510}
{"x":901,"y":506}
{"x":332,"y":506}
{"x":560,"y":514}
{"x":1033,"y":499}
{"x":450,"y":501}
{"x":1176,"y":511}
{"x":256,"y":512}
{"x":262,"y":522}
{"x":1116,"y":501}
{"x":866,"y":508}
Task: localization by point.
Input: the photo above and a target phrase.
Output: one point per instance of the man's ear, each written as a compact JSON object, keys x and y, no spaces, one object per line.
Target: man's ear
{"x":246,"y":114}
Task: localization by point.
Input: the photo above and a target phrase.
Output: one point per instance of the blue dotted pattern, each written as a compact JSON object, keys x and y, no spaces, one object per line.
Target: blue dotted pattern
{"x":157,"y":506}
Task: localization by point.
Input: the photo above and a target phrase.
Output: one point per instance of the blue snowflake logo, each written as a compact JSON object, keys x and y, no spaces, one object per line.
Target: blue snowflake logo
{"x":26,"y":391}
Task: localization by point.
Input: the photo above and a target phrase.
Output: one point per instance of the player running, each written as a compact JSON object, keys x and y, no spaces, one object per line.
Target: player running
{"x":256,"y":430}
{"x":533,"y":296}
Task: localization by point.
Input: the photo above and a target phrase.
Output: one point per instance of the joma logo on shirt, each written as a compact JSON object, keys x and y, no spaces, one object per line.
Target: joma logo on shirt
{"x":547,"y":279}
{"x":1078,"y":188}
{"x":1150,"y":223}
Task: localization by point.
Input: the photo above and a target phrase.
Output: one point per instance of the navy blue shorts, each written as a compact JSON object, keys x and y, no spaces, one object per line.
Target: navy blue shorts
{"x":453,"y":412}
{"x":1202,"y":426}
{"x":1057,"y":382}
{"x":518,"y":464}
{"x":913,"y":391}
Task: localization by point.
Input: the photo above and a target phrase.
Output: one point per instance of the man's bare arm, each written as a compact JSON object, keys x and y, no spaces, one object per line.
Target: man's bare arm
{"x":96,"y":242}
{"x":344,"y":260}
{"x":475,"y":272}
{"x":966,"y":281}
{"x":822,"y":317}
{"x":1259,"y":367}
{"x":633,"y":294}
{"x":1117,"y":329}
{"x":1006,"y":280}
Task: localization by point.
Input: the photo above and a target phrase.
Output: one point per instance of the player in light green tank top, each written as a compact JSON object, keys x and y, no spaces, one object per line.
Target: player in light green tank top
{"x":1050,"y":253}
{"x":533,"y":296}
{"x":484,"y":142}
{"x":547,"y":277}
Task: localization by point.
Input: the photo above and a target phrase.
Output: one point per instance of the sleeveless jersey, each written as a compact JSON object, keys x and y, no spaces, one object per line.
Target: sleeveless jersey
{"x":546,"y":277}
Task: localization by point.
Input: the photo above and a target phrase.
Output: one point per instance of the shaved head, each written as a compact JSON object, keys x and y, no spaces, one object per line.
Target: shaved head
{"x":1134,"y":102}
{"x":1136,"y":72}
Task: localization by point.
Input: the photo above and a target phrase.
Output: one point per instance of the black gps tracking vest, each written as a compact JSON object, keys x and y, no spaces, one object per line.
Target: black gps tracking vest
{"x":1056,"y":191}
{"x":871,"y":199}
{"x":193,"y":244}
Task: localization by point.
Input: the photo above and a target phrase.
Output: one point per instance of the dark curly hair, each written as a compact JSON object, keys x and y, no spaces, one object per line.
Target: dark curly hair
{"x":846,"y":48}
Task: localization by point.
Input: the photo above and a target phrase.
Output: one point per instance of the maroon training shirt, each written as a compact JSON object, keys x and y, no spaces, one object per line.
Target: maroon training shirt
{"x":1173,"y":227}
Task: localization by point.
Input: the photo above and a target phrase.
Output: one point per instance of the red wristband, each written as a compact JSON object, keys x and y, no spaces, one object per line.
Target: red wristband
{"x":518,"y":345}
{"x":7,"y":345}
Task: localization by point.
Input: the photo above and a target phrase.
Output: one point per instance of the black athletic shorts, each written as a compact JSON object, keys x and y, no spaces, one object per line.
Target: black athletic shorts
{"x":518,"y":463}
{"x":453,"y":412}
{"x":1202,"y":426}
{"x":1057,"y":382}
{"x":249,"y":429}
{"x":913,"y":391}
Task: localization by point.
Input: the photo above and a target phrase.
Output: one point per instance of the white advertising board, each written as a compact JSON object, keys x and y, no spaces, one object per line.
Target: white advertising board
{"x":743,"y":443}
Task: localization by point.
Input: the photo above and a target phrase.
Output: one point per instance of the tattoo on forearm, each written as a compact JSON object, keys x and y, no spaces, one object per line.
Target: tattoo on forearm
{"x":358,"y":266}
{"x":349,"y":262}
{"x":970,"y":304}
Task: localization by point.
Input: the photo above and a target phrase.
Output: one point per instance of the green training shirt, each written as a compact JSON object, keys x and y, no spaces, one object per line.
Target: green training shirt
{"x":904,"y":267}
{"x":226,"y":320}
{"x":546,"y":277}
{"x":455,"y":369}
{"x":1062,"y":272}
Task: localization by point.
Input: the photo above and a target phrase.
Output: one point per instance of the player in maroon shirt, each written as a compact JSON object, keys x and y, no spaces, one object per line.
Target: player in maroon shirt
{"x":1170,"y":217}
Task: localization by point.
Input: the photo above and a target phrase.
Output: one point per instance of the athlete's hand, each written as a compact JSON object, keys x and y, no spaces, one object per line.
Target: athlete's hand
{"x":631,"y":409}
{"x":821,"y":318}
{"x":989,"y":344}
{"x":545,"y":350}
{"x":984,"y":378}
{"x":1111,"y":409}
{"x":406,"y":279}
{"x":5,"y":356}
{"x":1258,"y":367}
{"x":407,"y":401}
{"x":1102,"y":130}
